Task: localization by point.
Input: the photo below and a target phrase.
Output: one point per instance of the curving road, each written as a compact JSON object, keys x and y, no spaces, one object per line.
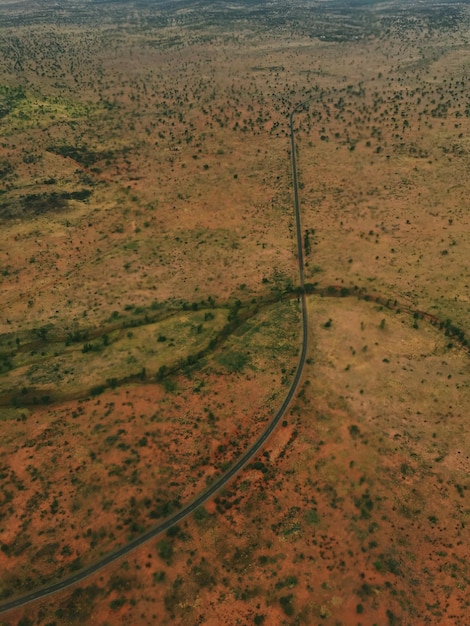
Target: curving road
{"x":242,"y":461}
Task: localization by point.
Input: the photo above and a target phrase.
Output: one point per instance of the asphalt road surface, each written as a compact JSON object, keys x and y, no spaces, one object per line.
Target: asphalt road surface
{"x":236,"y":468}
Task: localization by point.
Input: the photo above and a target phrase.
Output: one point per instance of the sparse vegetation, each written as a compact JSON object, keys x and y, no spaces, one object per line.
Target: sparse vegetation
{"x":150,"y":322}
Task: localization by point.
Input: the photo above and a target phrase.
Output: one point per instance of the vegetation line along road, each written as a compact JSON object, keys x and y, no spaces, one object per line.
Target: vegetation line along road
{"x":235,"y":469}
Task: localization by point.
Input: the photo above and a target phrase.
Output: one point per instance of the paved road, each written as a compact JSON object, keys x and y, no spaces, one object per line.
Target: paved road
{"x":235,"y":469}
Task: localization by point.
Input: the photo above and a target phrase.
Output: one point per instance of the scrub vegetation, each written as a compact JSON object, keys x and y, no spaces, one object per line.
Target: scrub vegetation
{"x":150,"y":322}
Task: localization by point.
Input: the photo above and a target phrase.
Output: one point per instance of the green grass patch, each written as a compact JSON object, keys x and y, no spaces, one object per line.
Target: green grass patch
{"x":60,"y":370}
{"x":232,"y":360}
